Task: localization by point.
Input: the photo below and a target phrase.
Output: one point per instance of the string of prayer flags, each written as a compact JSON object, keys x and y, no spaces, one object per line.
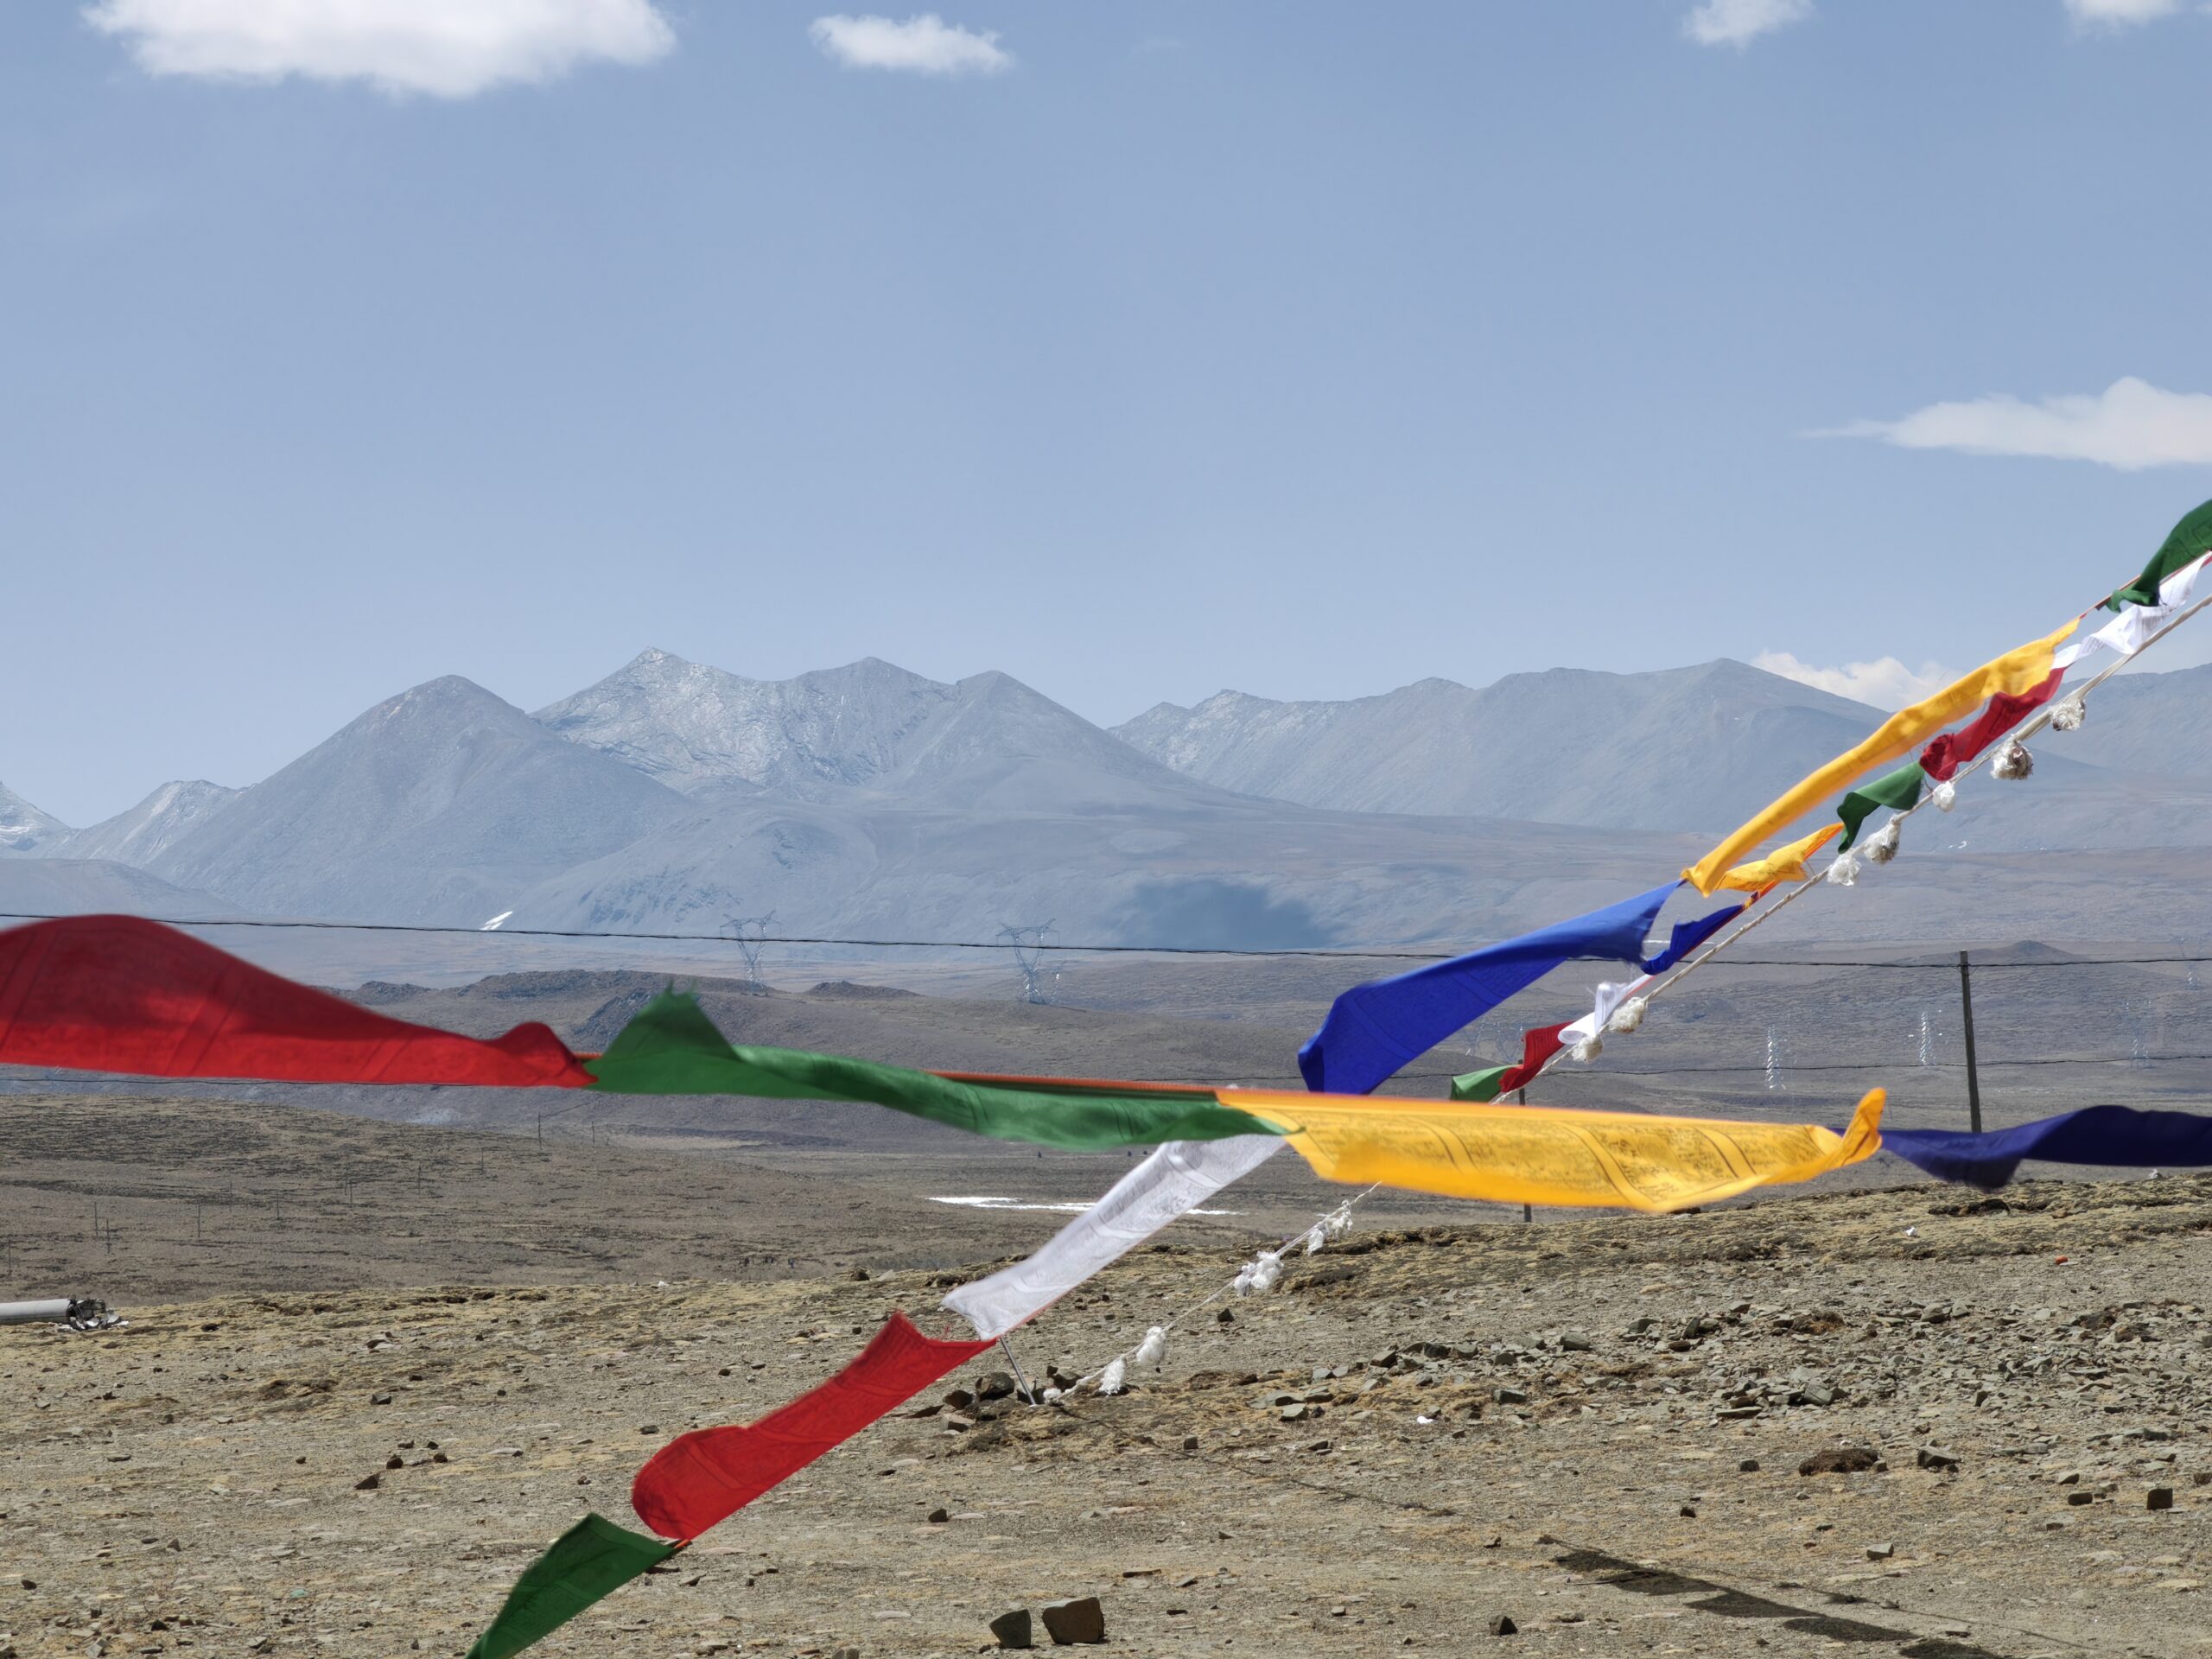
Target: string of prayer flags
{"x":671,"y":1047}
{"x":1175,"y":1179}
{"x":1949,"y":751}
{"x":586,"y":1563}
{"x":2115,"y":1137}
{"x":1550,"y":1155}
{"x":2016,"y":671}
{"x":1783,"y":864}
{"x":1537,"y":1047}
{"x":2189,"y":541}
{"x":704,"y":1478}
{"x":1373,"y":1030}
{"x":121,"y":993}
{"x":1686,"y":937}
{"x":2136,"y":625}
{"x":1897,"y":790}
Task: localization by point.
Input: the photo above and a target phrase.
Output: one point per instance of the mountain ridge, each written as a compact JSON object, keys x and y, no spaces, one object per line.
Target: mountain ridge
{"x":427,"y":807}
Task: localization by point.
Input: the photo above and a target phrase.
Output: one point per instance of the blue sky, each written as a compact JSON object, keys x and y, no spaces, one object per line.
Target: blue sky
{"x":1138,"y":350}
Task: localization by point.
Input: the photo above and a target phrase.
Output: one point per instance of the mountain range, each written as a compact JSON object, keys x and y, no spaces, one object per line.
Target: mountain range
{"x":673,"y":796}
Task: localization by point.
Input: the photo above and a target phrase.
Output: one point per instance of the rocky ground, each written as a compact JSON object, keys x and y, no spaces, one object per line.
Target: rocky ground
{"x":1595,"y":1431}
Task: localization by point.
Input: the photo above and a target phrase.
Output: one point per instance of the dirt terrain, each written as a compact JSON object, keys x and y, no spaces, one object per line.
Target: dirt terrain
{"x":1423,"y":1430}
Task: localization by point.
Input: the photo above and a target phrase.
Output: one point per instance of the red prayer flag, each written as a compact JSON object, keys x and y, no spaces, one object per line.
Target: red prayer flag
{"x":1946,"y":752}
{"x":1536,"y":1048}
{"x":709,"y":1475}
{"x":122,"y":994}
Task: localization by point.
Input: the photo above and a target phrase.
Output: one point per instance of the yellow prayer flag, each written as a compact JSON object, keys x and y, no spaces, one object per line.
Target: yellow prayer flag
{"x":2016,"y":671}
{"x":1553,"y":1155}
{"x":1783,"y":864}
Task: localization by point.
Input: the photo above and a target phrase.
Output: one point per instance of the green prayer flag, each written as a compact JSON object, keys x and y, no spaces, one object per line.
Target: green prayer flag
{"x":2191,"y":537}
{"x":1899,"y":789}
{"x":671,"y":1047}
{"x":591,"y":1560}
{"x":1479,"y":1085}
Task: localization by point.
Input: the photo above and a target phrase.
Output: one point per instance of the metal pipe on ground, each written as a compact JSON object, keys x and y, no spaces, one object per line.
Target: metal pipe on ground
{"x":78,"y":1312}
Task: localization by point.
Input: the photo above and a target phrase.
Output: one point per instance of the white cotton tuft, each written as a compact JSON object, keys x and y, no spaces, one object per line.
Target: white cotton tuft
{"x":1587,"y":1050}
{"x":2013,"y":762}
{"x":1153,"y":1348}
{"x":1114,"y":1378}
{"x":1627,"y":1017}
{"x":1883,"y":847}
{"x":1946,"y":796}
{"x":2068,"y":715}
{"x":1316,"y":1235}
{"x":1844,"y":871}
{"x":1242,"y":1285}
{"x":1266,"y":1270}
{"x":1051,"y":1395}
{"x":1338,"y":1221}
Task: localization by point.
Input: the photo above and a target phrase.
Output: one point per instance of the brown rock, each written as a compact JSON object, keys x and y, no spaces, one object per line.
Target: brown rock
{"x":1841,"y":1460}
{"x":1013,"y":1630}
{"x":2160,"y":1497}
{"x":1503,"y":1625}
{"x":1072,"y":1622}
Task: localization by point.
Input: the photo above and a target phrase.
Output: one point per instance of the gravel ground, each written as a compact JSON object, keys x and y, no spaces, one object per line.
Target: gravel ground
{"x":1418,"y":1434}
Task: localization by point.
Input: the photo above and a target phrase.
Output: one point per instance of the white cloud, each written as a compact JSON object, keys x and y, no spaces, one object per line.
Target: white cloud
{"x":1738,"y":23}
{"x":926,"y":45}
{"x":2130,"y":425}
{"x":448,"y":48}
{"x":1885,"y":684}
{"x":2119,"y":14}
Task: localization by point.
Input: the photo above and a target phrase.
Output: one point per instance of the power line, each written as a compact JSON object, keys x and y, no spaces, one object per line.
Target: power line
{"x":1325,"y":953}
{"x":724,"y":939}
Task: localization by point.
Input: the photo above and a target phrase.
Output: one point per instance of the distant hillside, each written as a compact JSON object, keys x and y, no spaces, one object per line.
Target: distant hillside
{"x":436,"y":806}
{"x":86,"y":887}
{"x":146,"y":831}
{"x":2152,"y":723}
{"x":1695,"y":749}
{"x":870,"y":801}
{"x":1188,"y":866}
{"x":1689,"y":748}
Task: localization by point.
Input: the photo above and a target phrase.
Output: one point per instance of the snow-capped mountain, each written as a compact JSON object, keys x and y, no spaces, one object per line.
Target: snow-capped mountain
{"x":869,"y":725}
{"x":870,"y":800}
{"x":26,"y":832}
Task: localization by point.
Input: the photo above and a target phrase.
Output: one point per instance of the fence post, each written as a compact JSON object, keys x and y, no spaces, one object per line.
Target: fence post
{"x":1527,"y":1210}
{"x":1974,"y":1072}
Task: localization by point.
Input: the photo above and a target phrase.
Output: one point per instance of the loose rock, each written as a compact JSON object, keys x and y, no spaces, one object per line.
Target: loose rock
{"x":1072,"y":1622}
{"x":1841,"y":1460}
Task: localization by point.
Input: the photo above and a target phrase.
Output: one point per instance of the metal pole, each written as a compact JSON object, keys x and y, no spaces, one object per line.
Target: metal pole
{"x":54,"y":1312}
{"x":1028,"y":1394}
{"x":1527,"y":1210}
{"x":1974,"y":1072}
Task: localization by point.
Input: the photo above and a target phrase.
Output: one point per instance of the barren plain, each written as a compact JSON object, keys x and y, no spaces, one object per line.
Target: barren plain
{"x":345,"y":1432}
